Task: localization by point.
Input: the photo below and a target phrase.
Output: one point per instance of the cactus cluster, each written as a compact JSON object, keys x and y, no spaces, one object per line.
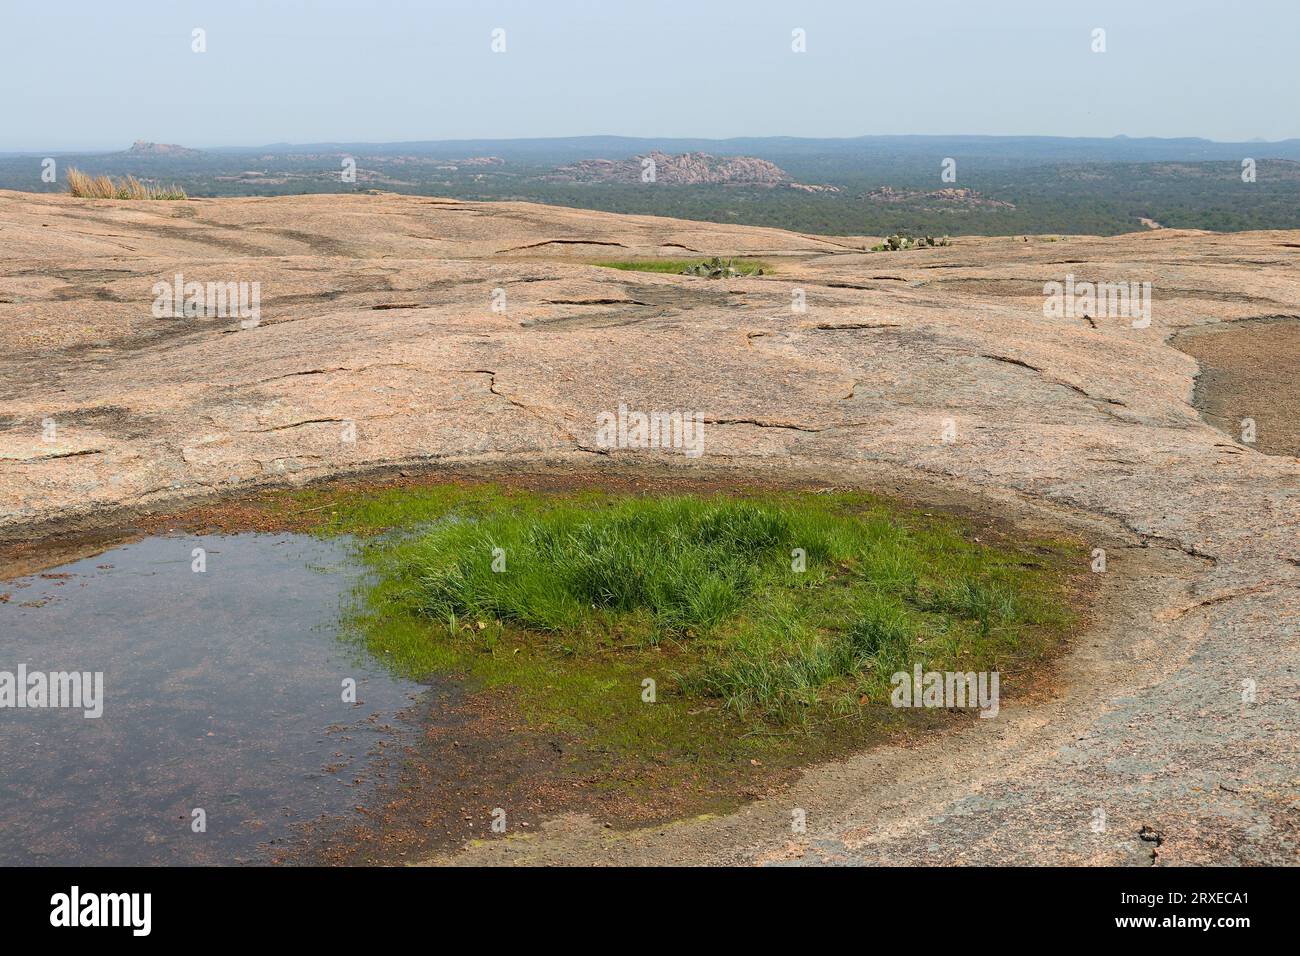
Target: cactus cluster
{"x":900,"y":241}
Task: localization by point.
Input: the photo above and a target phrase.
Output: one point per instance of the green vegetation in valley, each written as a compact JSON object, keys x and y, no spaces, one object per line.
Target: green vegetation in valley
{"x":1023,"y":186}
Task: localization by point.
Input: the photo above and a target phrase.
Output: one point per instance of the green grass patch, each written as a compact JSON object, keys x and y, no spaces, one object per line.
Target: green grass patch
{"x":570,"y":602}
{"x":744,"y":267}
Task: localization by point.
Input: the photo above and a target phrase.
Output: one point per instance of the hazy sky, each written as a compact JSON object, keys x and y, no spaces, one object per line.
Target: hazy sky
{"x":93,"y":73}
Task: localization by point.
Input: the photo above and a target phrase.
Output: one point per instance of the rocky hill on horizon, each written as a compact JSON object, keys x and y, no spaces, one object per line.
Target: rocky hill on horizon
{"x":145,"y":148}
{"x":682,"y":169}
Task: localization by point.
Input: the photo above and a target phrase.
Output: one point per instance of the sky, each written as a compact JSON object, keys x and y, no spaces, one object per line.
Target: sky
{"x":89,"y":74}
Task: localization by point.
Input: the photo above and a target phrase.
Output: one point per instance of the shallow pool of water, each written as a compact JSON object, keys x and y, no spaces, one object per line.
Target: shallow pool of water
{"x":222,"y":692}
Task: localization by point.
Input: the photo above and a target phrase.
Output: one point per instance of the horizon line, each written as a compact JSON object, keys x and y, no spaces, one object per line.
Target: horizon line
{"x":1257,"y":141}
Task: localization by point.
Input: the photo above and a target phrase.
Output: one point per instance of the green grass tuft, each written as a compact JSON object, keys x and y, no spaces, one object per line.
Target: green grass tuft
{"x":745,"y":267}
{"x":698,"y":593}
{"x":85,"y":186}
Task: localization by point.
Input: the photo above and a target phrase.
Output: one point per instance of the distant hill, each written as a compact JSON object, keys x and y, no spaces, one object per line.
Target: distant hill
{"x":142,"y":148}
{"x":686,"y":169}
{"x":683,"y":169}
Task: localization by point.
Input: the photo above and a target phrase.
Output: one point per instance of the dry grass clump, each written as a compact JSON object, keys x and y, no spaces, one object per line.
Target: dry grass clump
{"x":85,"y":186}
